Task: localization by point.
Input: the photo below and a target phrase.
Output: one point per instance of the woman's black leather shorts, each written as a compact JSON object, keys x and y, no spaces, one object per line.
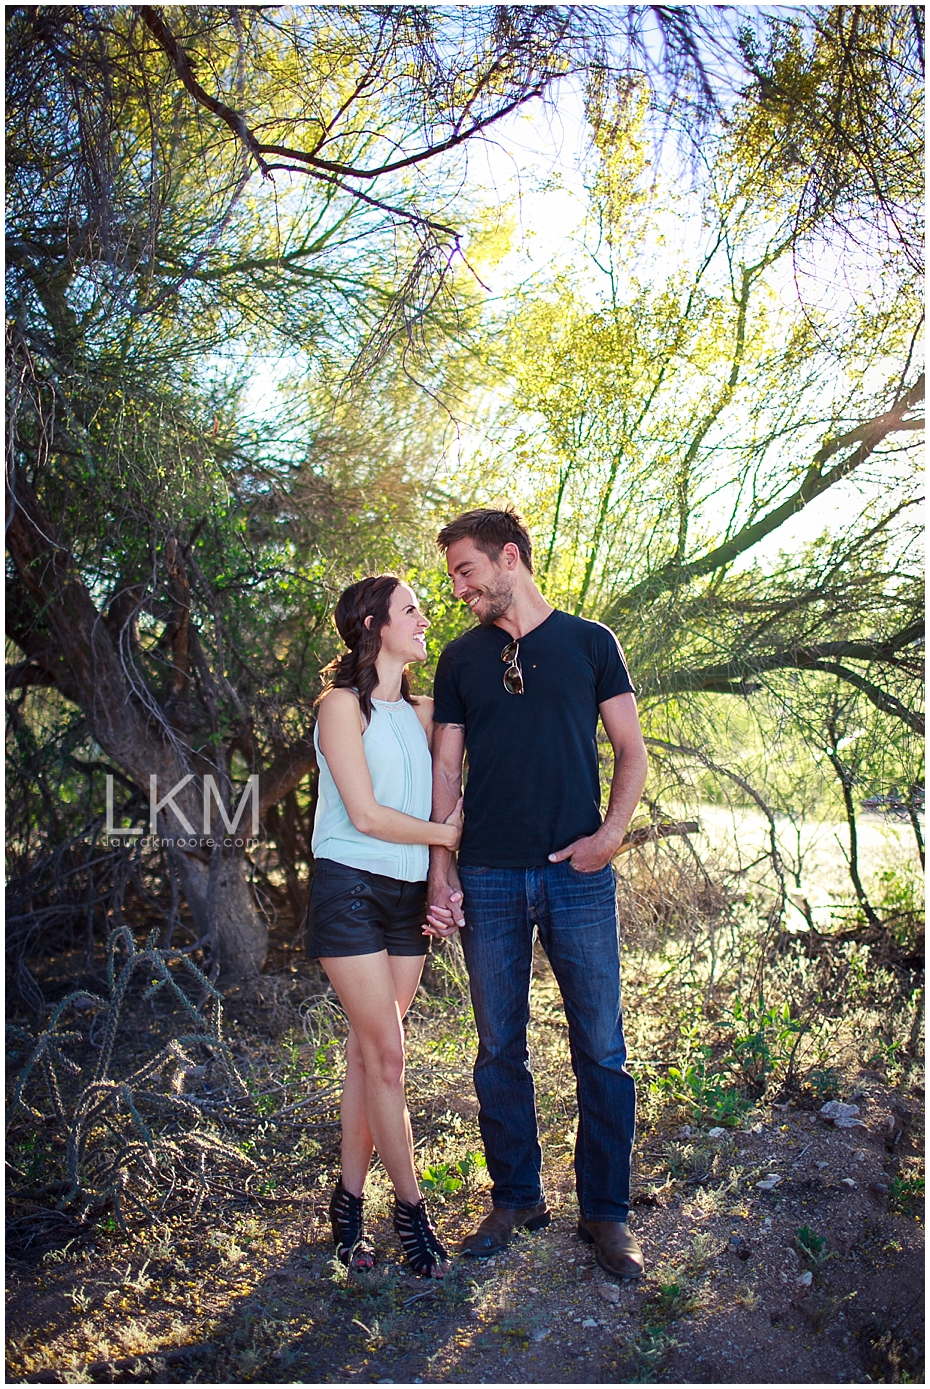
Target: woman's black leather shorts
{"x":353,"y":912}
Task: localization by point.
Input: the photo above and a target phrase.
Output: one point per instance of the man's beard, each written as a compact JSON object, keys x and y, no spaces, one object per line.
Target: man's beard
{"x":496,"y":602}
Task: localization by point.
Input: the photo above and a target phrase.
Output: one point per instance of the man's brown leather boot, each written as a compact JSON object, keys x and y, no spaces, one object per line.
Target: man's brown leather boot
{"x":615,"y":1249}
{"x":495,"y":1229}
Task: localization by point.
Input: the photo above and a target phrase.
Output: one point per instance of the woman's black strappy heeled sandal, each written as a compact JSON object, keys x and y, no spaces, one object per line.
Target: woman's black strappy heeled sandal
{"x":422,"y":1249}
{"x":348,"y":1220}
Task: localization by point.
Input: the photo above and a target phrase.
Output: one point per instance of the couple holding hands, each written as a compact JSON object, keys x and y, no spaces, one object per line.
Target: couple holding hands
{"x":520,"y":696}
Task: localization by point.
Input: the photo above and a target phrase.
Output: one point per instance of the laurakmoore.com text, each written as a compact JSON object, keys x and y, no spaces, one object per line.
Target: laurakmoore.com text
{"x":168,"y":841}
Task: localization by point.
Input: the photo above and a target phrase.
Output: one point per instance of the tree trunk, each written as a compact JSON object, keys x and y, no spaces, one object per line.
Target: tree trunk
{"x":233,"y":935}
{"x":225,"y":916}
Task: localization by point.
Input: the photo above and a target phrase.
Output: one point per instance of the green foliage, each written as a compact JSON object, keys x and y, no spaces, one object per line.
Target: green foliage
{"x":445,"y":1177}
{"x":900,"y":902}
{"x":647,"y":1353}
{"x":720,"y":1082}
{"x":811,"y":1245}
{"x":765,"y":1038}
{"x":668,"y":1302}
{"x":906,"y":1193}
{"x":700,"y":1086}
{"x":824,"y":1081}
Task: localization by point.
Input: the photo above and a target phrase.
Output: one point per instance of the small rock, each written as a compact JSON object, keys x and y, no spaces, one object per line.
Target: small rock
{"x":738,"y":1246}
{"x":848,"y":1181}
{"x":821,"y":1165}
{"x":770,"y":1182}
{"x":533,"y":1291}
{"x":756,"y":1128}
{"x":589,"y":1321}
{"x":844,"y":1116}
{"x":541,"y":1334}
{"x":878,"y":1188}
{"x":609,"y":1292}
{"x":805,"y":1279}
{"x":686,"y":1131}
{"x":835,"y":1109}
{"x":716,"y":1133}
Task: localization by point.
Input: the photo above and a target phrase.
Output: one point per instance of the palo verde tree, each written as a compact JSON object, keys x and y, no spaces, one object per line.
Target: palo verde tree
{"x":193,"y":190}
{"x":149,"y":226}
{"x":685,"y":390}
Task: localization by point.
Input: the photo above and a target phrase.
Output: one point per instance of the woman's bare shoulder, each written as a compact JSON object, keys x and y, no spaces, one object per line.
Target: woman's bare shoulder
{"x":338,"y":705}
{"x":423,"y":704}
{"x":338,"y":694}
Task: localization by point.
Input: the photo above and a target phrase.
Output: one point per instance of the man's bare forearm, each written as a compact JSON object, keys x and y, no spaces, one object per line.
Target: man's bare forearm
{"x":448,"y":744}
{"x":621,"y":724}
{"x":626,"y":788}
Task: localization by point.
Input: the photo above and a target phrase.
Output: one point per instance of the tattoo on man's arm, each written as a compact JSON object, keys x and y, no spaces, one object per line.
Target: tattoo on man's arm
{"x":460,"y":726}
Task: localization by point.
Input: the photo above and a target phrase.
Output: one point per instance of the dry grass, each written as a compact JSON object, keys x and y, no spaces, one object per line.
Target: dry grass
{"x":245,"y":1288}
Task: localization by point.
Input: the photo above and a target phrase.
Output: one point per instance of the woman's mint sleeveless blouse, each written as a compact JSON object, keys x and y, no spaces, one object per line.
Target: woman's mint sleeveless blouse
{"x":398,"y":759}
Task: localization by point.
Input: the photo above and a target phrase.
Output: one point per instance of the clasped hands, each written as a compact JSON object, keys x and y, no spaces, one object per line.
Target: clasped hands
{"x":445,"y":915}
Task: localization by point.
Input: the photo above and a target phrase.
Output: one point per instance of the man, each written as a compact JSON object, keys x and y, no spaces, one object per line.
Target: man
{"x":521,"y":694}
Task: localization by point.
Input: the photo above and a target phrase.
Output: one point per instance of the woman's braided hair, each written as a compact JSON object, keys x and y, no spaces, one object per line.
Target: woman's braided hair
{"x":355,"y":670}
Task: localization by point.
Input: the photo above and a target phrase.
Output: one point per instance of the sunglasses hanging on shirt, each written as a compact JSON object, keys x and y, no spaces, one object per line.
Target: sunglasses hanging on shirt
{"x":513,"y":675}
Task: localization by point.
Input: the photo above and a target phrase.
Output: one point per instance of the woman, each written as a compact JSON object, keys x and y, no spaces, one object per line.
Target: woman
{"x":368,"y":900}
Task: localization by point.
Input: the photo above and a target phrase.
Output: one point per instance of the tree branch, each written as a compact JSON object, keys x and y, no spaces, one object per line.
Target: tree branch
{"x":177,"y":628}
{"x":25,"y":673}
{"x":151,"y":18}
{"x":82,"y":653}
{"x":286,"y":771}
{"x":739,"y":675}
{"x":868,"y":436}
{"x":312,"y":162}
{"x":880,"y":698}
{"x":350,"y":170}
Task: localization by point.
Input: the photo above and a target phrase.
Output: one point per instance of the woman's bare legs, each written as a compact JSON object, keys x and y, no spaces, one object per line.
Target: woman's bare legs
{"x":376,"y":991}
{"x":357,"y":1142}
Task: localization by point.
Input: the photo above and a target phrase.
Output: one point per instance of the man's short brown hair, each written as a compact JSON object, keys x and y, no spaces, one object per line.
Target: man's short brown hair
{"x":491,"y":531}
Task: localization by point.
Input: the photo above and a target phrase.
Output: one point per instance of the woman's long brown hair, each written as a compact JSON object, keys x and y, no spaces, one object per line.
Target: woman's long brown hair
{"x":355,"y":670}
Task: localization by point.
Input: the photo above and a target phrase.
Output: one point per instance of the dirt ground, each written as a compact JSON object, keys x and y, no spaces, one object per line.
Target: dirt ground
{"x":814,"y":1276}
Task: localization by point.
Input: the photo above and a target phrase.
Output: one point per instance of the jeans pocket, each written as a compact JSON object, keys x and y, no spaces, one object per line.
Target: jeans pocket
{"x":608,"y":868}
{"x":467,"y":870}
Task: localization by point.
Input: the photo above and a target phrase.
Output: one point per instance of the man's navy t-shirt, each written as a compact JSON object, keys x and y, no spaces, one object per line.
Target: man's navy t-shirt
{"x":533,"y":782}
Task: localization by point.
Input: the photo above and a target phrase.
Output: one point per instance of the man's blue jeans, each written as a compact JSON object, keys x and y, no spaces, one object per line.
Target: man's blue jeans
{"x":576,"y":916}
